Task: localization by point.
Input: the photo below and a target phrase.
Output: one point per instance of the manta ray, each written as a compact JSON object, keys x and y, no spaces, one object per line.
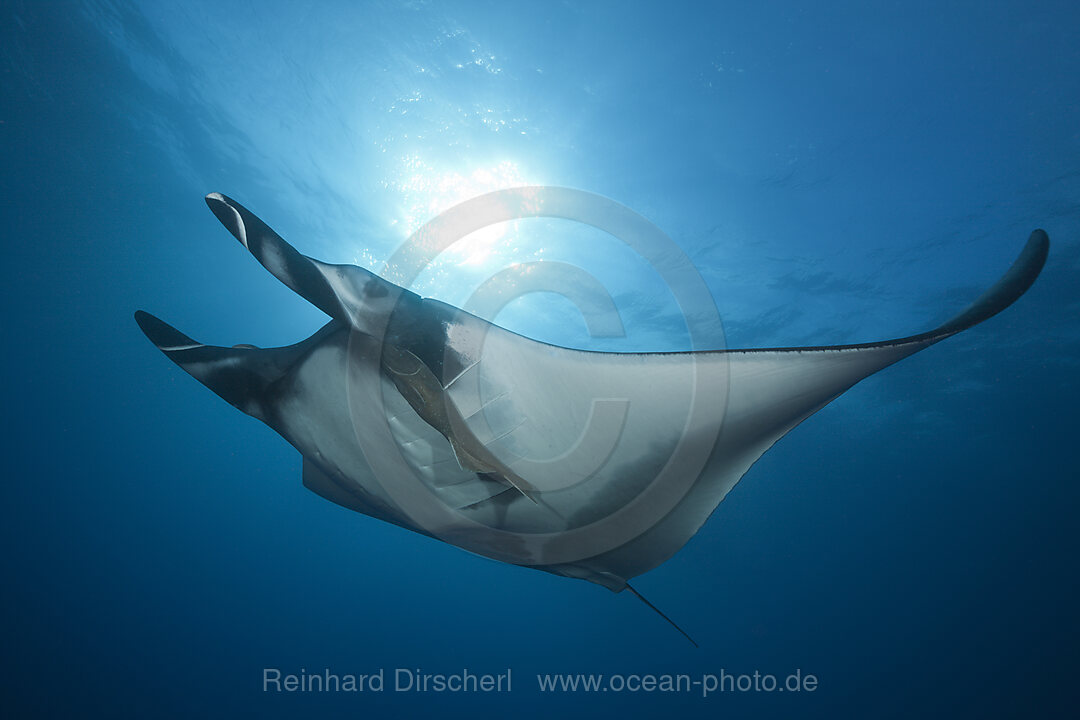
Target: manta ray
{"x":591,"y":465}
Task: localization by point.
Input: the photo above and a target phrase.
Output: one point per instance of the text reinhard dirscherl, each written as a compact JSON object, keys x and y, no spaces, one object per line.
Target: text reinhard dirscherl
{"x":397,"y":680}
{"x":418,"y":681}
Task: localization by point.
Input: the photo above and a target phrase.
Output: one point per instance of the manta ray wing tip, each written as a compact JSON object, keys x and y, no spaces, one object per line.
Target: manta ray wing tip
{"x":1040,"y":240}
{"x":227,"y":211}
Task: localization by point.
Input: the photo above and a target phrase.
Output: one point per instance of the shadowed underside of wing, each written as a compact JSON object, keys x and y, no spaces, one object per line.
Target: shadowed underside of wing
{"x":591,"y":465}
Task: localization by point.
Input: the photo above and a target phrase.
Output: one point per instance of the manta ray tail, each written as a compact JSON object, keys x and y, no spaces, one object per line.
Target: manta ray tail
{"x":659,"y":612}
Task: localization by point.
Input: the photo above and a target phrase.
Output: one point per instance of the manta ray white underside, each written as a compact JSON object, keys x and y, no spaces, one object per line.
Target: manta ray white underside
{"x":589,"y":465}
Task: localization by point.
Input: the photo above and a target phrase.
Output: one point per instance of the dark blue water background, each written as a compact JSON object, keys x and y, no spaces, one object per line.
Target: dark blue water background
{"x":838,"y":172}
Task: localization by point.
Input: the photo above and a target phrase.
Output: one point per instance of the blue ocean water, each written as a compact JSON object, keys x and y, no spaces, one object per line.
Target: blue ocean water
{"x":837,"y":172}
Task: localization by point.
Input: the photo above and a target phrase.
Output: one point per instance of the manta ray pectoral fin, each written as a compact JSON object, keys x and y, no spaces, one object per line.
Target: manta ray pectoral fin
{"x":773,"y":389}
{"x":342,"y":492}
{"x":770,"y":391}
{"x":1014,"y":283}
